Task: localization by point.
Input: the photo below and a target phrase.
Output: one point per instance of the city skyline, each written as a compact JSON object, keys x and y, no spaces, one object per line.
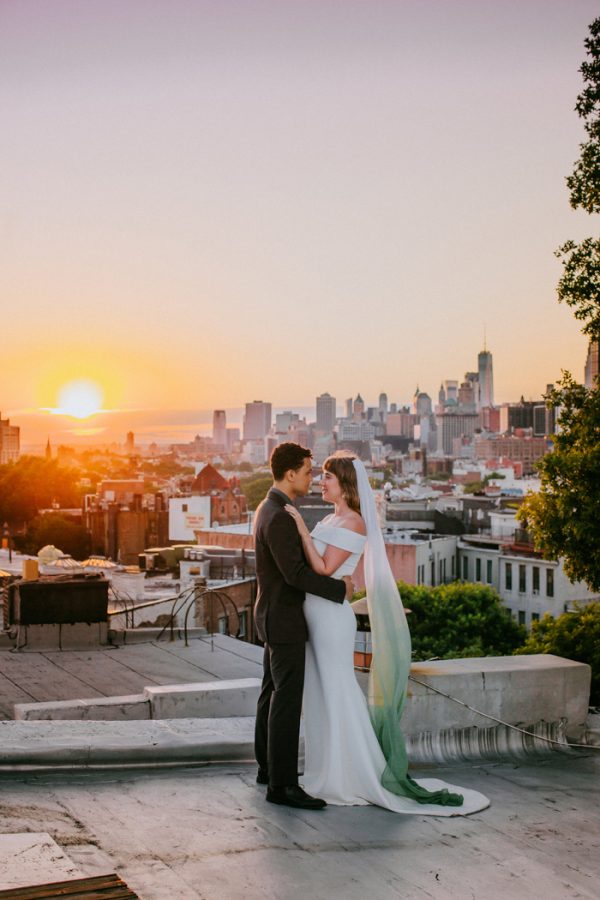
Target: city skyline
{"x":165,"y":426}
{"x":206,"y":204}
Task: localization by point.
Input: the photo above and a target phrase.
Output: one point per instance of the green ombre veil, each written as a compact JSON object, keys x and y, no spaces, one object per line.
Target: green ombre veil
{"x":390,"y":666}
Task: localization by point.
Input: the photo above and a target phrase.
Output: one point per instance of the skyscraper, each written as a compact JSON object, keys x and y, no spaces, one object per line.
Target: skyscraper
{"x":10,"y":436}
{"x":220,"y":427}
{"x":257,"y":420}
{"x":591,"y":364}
{"x":486,"y":379}
{"x":326,"y":413}
{"x":358,"y":409}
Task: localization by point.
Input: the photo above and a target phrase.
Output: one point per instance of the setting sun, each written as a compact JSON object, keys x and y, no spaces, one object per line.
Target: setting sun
{"x":79,"y":399}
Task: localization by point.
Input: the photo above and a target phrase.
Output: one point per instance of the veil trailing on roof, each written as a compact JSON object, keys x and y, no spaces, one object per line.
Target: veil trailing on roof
{"x":390,"y":665}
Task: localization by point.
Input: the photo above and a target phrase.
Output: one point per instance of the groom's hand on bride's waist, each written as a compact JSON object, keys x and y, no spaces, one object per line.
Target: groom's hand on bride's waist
{"x":349,"y":587}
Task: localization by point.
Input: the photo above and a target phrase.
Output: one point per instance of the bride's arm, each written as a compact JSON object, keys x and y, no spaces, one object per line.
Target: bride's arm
{"x":323,"y":565}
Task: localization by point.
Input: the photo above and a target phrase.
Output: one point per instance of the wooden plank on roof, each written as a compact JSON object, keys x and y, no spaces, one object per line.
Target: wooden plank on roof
{"x":97,"y":887}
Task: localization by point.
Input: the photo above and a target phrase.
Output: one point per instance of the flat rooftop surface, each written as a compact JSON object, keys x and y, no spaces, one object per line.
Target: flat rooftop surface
{"x":208,"y":833}
{"x":30,"y":676}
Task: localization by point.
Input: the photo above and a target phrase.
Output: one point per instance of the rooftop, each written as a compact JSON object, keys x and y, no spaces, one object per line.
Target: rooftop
{"x":207,"y":833}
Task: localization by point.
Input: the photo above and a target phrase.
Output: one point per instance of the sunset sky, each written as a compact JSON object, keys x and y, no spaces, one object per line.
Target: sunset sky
{"x":206,"y":203}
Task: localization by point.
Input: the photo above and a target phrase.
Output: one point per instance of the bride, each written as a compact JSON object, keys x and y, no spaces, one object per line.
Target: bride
{"x":354,"y":750}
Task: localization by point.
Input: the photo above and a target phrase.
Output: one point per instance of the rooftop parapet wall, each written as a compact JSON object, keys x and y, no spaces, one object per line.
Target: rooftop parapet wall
{"x":519,"y":690}
{"x":547,"y":692}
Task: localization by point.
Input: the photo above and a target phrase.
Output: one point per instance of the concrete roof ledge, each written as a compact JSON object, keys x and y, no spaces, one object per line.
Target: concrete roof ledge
{"x":519,"y":690}
{"x":212,"y":699}
{"x":91,"y":744}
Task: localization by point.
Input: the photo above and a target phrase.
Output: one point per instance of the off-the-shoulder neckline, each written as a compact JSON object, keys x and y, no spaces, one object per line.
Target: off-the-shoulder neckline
{"x":340,"y":528}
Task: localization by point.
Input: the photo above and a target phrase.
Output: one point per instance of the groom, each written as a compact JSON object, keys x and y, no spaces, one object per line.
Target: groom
{"x":283,"y":579}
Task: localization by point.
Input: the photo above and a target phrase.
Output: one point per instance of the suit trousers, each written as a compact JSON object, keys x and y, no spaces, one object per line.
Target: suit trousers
{"x":278,"y":713}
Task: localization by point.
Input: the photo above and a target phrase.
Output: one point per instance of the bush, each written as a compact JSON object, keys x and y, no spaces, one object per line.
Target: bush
{"x":459,"y":620}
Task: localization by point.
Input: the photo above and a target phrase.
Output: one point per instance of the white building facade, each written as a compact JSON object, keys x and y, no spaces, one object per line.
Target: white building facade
{"x":529,"y":586}
{"x":188,"y":515}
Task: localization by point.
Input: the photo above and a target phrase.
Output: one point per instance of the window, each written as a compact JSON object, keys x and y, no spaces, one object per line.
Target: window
{"x":489,"y":571}
{"x":223,"y":625}
{"x":477,"y":569}
{"x":465,"y":568}
{"x":549,"y":582}
{"x":444,"y":570}
{"x":184,"y":507}
{"x":243,"y":624}
{"x":536,"y":579}
{"x":453,"y":568}
{"x":433,"y":573}
{"x":508,"y":576}
{"x":535,"y":617}
{"x":522,"y":579}
{"x":521,"y":617}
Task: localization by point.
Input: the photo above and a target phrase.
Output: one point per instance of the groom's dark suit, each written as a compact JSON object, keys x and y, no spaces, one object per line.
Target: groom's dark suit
{"x":283,"y":580}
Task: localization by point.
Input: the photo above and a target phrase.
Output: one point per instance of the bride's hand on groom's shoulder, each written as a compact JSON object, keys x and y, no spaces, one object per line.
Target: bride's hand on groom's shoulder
{"x":300,"y":524}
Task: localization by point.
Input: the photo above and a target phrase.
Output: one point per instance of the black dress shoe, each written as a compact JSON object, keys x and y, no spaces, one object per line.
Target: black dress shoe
{"x":262,"y":777}
{"x":293,"y":795}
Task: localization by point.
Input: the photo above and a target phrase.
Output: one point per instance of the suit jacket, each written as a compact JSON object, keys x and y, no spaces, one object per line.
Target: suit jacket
{"x":283,"y":576}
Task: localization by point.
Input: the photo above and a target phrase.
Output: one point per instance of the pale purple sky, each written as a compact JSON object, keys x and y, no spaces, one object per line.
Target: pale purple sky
{"x":205,"y":203}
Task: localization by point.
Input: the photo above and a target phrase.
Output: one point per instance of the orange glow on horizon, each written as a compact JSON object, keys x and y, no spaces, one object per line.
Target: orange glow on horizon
{"x":79,"y":399}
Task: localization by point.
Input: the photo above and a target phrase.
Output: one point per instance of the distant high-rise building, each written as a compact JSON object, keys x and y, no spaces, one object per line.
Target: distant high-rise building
{"x":10,"y":437}
{"x":422,"y":404}
{"x":326,"y":413}
{"x":402,"y":423}
{"x":383,"y":406}
{"x":233,"y":438}
{"x":219,"y":430}
{"x":349,"y":408}
{"x":451,"y":391}
{"x":130,"y":443}
{"x":486,"y":379}
{"x":358,"y":408}
{"x":591,"y":364}
{"x":257,"y":420}
{"x":285,"y":421}
{"x":467,"y":400}
{"x":454,"y":424}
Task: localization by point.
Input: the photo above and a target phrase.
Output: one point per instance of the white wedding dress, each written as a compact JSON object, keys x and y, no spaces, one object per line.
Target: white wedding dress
{"x":343,"y":759}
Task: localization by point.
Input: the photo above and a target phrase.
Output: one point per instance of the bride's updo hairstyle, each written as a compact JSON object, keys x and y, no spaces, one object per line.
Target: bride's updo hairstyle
{"x":341,"y":465}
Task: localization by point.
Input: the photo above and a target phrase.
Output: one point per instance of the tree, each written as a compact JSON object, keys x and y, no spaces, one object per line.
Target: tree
{"x":33,"y":483}
{"x":562,"y":517}
{"x":62,"y":531}
{"x":255,"y":488}
{"x":579,"y":286}
{"x":458,"y":620}
{"x":573,"y":635}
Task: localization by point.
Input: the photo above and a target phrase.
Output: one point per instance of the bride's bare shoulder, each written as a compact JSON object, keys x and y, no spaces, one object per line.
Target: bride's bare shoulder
{"x":354,"y":522}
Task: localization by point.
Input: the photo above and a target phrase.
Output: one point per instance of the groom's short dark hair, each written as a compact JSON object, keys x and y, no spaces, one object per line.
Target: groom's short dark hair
{"x":287,"y":456}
